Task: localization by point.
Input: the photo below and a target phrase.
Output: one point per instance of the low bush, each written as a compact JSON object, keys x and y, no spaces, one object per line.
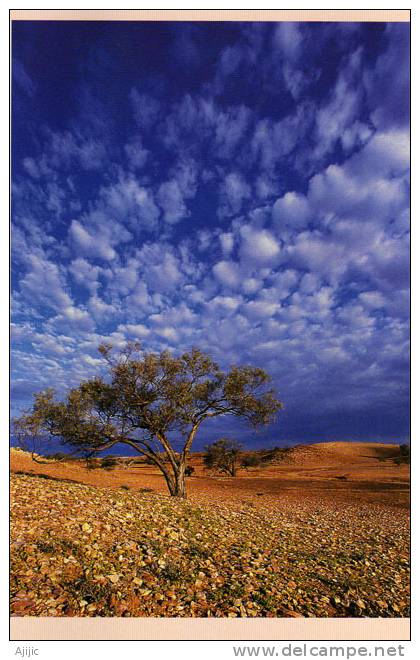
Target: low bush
{"x":58,"y":456}
{"x":93,"y":463}
{"x":108,"y":463}
{"x":250,"y":460}
{"x":404,"y":455}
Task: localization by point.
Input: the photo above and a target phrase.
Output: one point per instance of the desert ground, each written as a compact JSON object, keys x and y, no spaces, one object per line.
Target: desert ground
{"x":324,"y":532}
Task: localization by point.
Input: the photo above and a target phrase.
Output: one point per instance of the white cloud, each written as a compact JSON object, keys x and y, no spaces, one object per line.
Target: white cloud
{"x":291,"y":210}
{"x":93,"y":362}
{"x":258,"y":246}
{"x":129,"y":203}
{"x":31,"y":167}
{"x":339,"y":113}
{"x":171,"y":200}
{"x":85,"y":274}
{"x":160,"y":268}
{"x":72,"y":319}
{"x":234,"y":191}
{"x":372,"y":299}
{"x":273,"y":141}
{"x":43,"y":284}
{"x":251,"y":285}
{"x":230,"y":129}
{"x":227,"y":273}
{"x":225,"y":303}
{"x":136,"y":154}
{"x":101,"y":310}
{"x":137,"y":330}
{"x":145,"y":109}
{"x":371,"y":186}
{"x":258,"y":309}
{"x":168,"y":333}
{"x":288,"y":37}
{"x":90,"y":245}
{"x":227,"y":243}
{"x":66,"y":148}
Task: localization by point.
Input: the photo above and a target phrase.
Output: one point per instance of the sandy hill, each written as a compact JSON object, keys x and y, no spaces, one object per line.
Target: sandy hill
{"x":352,"y":471}
{"x":321,"y":454}
{"x":339,"y":453}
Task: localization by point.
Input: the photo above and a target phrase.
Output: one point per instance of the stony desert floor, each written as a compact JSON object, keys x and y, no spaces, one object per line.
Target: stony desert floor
{"x":325,"y":533}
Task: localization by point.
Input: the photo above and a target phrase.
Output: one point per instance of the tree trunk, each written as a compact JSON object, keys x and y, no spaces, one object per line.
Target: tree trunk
{"x":176,"y":482}
{"x":180,"y":485}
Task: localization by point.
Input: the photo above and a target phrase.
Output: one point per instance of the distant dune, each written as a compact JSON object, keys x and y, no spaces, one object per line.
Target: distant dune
{"x":339,"y":453}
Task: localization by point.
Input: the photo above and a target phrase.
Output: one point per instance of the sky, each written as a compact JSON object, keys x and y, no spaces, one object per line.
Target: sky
{"x":238,"y":187}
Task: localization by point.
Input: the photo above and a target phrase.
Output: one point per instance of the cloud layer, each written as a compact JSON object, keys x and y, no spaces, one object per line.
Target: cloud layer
{"x":242,"y":188}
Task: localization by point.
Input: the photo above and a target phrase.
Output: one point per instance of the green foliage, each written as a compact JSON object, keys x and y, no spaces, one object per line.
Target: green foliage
{"x":223,"y":456}
{"x":146,"y":401}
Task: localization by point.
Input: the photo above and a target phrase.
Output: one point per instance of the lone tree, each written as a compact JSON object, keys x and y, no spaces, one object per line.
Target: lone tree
{"x":223,"y":456}
{"x":153,"y":403}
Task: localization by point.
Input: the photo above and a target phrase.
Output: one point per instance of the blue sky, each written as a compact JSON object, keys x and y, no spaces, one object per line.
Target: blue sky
{"x":243,"y":188}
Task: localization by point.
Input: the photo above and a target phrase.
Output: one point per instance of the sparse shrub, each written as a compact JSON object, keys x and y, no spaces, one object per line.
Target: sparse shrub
{"x":44,"y":546}
{"x":125,"y":487}
{"x":404,"y":456}
{"x":171,"y":572}
{"x":250,"y":460}
{"x":108,"y":463}
{"x":189,"y":471}
{"x":151,"y":547}
{"x":273,"y":455}
{"x":90,"y":591}
{"x":146,"y":490}
{"x":50,"y":545}
{"x":58,"y":456}
{"x":405,"y":451}
{"x":93,"y":463}
{"x":195,"y":550}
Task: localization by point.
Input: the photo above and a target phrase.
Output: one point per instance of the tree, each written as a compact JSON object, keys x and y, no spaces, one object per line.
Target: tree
{"x":154,"y":403}
{"x":223,"y":456}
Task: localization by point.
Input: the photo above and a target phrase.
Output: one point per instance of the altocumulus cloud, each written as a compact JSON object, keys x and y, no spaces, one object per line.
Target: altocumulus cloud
{"x":221,"y":193}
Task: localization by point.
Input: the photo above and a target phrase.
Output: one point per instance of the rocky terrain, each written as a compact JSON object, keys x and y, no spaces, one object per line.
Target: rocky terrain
{"x":125,"y":549}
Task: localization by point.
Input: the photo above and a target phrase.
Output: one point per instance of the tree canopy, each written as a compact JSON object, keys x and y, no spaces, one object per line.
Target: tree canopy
{"x":153,"y":403}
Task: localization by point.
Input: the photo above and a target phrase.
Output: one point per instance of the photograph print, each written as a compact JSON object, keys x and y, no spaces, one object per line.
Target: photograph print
{"x":210,"y":319}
